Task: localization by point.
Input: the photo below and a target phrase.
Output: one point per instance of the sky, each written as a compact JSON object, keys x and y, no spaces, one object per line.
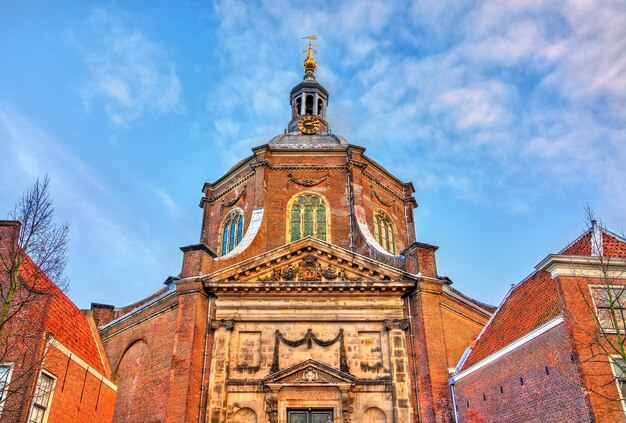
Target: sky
{"x":508,"y":116}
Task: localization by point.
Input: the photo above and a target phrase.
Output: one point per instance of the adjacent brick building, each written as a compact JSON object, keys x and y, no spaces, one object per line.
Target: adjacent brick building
{"x":307,"y":296}
{"x":551,"y":351}
{"x":52,"y":364}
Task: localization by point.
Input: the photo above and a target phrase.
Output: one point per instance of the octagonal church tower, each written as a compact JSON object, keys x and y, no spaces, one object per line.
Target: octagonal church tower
{"x":307,"y":299}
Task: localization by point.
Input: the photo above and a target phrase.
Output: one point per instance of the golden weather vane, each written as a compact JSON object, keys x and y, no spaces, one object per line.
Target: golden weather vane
{"x":309,"y":63}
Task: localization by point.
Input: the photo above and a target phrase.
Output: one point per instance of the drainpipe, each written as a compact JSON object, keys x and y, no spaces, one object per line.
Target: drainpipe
{"x":417,"y":398}
{"x":350,"y":198}
{"x":456,"y":413}
{"x":204,"y":364}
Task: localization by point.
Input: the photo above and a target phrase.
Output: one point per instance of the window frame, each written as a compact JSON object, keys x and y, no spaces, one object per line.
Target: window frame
{"x":390,"y":230}
{"x":593,"y":288}
{"x":616,"y":377}
{"x":50,"y":397}
{"x":229,"y":220}
{"x":327,"y":214}
{"x":4,"y":390}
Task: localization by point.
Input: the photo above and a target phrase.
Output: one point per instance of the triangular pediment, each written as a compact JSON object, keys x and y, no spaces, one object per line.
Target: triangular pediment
{"x":309,"y":372}
{"x":310,"y":260}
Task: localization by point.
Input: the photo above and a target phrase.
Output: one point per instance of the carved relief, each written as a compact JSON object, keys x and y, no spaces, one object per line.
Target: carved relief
{"x":227,"y":324}
{"x":391,"y":203}
{"x":307,"y":182}
{"x":397,"y":324}
{"x":232,"y":202}
{"x":308,"y":270}
{"x":309,"y":338}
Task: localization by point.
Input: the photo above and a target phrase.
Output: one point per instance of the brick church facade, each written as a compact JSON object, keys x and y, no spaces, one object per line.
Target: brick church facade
{"x":307,"y":299}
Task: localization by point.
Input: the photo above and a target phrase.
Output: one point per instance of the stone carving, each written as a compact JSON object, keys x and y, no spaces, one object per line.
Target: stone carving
{"x":289,"y":272}
{"x":308,"y":270}
{"x":391,"y":203}
{"x":271,"y":406}
{"x":310,"y":375}
{"x":307,"y":182}
{"x":397,"y":324}
{"x":309,"y":338}
{"x":227,"y":324}
{"x":232,"y":202}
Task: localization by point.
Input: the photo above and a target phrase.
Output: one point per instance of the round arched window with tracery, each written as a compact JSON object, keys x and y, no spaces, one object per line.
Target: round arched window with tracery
{"x":232,"y":230}
{"x":308,"y":216}
{"x":384,"y":232}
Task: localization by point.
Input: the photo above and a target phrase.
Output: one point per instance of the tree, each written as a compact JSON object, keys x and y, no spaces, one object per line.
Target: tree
{"x":33,"y":252}
{"x":598,"y":315}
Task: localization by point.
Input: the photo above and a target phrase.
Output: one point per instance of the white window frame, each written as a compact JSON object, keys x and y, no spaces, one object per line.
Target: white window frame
{"x":3,"y":392}
{"x":592,"y":288}
{"x":49,"y":405}
{"x":614,"y":370}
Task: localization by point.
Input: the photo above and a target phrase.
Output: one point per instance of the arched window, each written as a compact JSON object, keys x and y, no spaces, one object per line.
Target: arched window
{"x":298,"y":106}
{"x":309,"y":104}
{"x":384,"y":232}
{"x":307,"y":217}
{"x":320,"y":107}
{"x":232,"y":231}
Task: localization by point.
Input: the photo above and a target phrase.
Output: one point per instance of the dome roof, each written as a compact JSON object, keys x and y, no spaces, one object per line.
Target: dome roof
{"x":296,"y":140}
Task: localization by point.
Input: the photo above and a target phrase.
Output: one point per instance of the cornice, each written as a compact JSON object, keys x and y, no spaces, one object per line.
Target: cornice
{"x":212,"y":199}
{"x":298,"y":287}
{"x":400,"y":197}
{"x":584,"y":266}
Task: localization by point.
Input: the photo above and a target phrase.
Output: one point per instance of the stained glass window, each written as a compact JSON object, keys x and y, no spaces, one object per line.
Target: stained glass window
{"x":232,"y":231}
{"x":383,"y":232}
{"x":308,"y":218}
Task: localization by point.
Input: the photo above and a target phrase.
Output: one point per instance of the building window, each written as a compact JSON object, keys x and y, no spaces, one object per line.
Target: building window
{"x":610,"y":304}
{"x":41,"y":400}
{"x":619,"y":371}
{"x":308,"y":217}
{"x":232,"y":231}
{"x":5,"y":378}
{"x":384,"y":232}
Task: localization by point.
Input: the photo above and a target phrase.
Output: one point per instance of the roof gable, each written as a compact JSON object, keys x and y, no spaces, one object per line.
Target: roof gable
{"x":527,"y":306}
{"x":311,"y":260}
{"x":64,"y":320}
{"x":309,"y":372}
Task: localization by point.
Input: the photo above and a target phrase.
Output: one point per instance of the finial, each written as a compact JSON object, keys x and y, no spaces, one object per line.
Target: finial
{"x":310,"y":64}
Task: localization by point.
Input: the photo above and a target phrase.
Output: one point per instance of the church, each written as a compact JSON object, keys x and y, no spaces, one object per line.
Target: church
{"x":308,"y":298}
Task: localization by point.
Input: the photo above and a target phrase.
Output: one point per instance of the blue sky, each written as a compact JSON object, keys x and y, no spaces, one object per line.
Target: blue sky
{"x":507,"y":115}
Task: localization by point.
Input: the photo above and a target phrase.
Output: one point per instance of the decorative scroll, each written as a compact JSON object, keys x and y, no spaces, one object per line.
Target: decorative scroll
{"x":308,"y":270}
{"x":308,"y":339}
{"x":397,"y":324}
{"x":391,"y":203}
{"x":307,"y":182}
{"x":227,"y":324}
{"x":234,"y":200}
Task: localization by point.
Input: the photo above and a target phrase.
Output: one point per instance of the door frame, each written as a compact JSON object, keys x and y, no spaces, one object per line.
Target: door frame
{"x":311,"y":409}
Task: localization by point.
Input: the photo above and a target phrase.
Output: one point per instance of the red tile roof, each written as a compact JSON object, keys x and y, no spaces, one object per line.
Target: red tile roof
{"x":528,"y":305}
{"x":534,"y":301}
{"x":64,"y":320}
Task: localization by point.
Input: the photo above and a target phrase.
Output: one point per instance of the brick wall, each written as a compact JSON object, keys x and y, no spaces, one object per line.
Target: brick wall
{"x":79,"y":396}
{"x":537,"y":382}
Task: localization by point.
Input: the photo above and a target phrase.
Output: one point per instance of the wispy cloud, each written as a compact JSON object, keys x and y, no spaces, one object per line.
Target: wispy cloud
{"x":102,"y":227}
{"x":129,"y":74}
{"x":529,"y":90}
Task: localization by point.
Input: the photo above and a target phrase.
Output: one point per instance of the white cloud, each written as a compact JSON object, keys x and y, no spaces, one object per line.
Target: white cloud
{"x":129,"y":74}
{"x":101,"y":226}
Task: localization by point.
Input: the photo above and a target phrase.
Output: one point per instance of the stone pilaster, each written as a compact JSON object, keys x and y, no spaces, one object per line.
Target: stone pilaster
{"x":399,"y":370}
{"x":216,"y":412}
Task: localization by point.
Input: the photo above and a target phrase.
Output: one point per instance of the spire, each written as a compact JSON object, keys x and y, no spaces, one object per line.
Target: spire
{"x":309,"y":99}
{"x":310,"y":64}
